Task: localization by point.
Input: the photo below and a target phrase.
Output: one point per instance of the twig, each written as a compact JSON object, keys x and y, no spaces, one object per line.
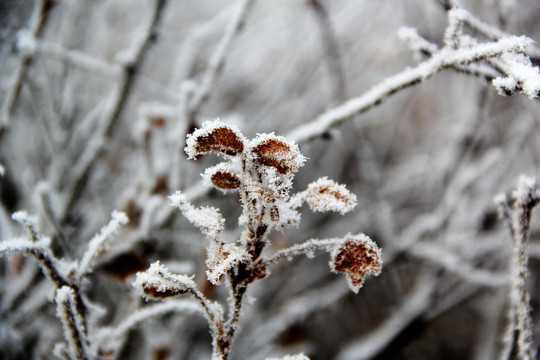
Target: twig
{"x":118,"y":100}
{"x":331,"y":50}
{"x":445,"y":58}
{"x":307,"y":248}
{"x":74,"y":329}
{"x":37,"y":21}
{"x":217,"y":61}
{"x":517,"y":212}
{"x":120,"y":330}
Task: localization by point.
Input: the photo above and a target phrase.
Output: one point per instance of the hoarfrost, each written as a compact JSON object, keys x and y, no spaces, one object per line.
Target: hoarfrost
{"x":206,"y":219}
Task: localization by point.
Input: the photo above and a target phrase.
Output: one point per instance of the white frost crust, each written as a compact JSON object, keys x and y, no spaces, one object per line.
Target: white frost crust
{"x":206,"y":128}
{"x":291,"y":158}
{"x":300,"y":356}
{"x":206,"y":219}
{"x":232,"y":167}
{"x":99,"y":243}
{"x":221,"y":258}
{"x":327,"y":195}
{"x":159,"y":278}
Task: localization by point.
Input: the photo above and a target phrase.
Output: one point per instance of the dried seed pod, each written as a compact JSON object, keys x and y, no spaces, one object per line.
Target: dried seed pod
{"x":214,"y":136}
{"x":275,"y":151}
{"x":158,"y":283}
{"x":357,"y":256}
{"x":222,"y":176}
{"x":225,"y":180}
{"x":327,"y":195}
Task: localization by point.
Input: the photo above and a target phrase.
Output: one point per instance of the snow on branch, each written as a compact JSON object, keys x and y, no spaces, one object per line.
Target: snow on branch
{"x":108,"y":338}
{"x":206,"y":219}
{"x":262,"y":171}
{"x":37,"y":21}
{"x":39,"y":247}
{"x":455,"y":54}
{"x":517,"y":209}
{"x":99,"y":243}
{"x":354,"y":255}
{"x":307,"y":248}
{"x":217,"y":59}
{"x":158,"y":283}
{"x":300,"y":356}
{"x":73,"y":324}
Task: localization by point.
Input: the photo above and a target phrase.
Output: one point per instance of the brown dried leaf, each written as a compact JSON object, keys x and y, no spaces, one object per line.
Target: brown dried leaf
{"x":156,"y":292}
{"x":271,"y":150}
{"x":357,"y":256}
{"x":327,"y":195}
{"x":225,"y":180}
{"x":214,"y":137}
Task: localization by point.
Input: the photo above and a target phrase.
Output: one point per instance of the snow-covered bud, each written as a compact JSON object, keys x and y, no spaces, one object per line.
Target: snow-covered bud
{"x":357,"y":256}
{"x":158,"y":283}
{"x":275,"y":151}
{"x":214,"y":136}
{"x":327,"y":195}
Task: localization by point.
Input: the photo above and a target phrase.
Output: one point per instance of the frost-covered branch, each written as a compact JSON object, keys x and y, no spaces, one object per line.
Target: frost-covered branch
{"x":307,"y":248}
{"x":132,"y":61}
{"x":330,"y":50}
{"x":447,"y":57}
{"x":42,"y":252}
{"x":517,"y":211}
{"x":98,"y":244}
{"x":262,"y":171}
{"x":26,"y":48}
{"x":68,"y":311}
{"x":217,"y":60}
{"x":108,"y":338}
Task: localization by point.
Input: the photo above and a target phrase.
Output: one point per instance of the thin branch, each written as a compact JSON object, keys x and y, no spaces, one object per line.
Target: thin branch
{"x":331,"y":50}
{"x":118,"y":100}
{"x":113,"y":334}
{"x":37,"y":21}
{"x":307,"y":248}
{"x":217,"y":61}
{"x":445,"y":58}
{"x":99,"y":242}
{"x":518,"y":336}
{"x":72,"y":321}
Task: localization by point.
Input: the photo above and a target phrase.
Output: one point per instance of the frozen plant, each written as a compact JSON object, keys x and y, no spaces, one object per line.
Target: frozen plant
{"x":261,"y":171}
{"x":74,"y":309}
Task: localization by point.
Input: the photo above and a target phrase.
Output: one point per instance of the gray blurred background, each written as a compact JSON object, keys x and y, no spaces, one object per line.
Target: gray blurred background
{"x":98,"y":123}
